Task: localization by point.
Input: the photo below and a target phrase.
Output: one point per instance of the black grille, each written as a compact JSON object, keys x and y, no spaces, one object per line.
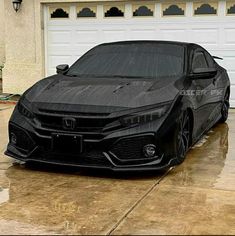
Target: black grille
{"x":131,"y":148}
{"x":82,"y":124}
{"x":72,"y":113}
{"x":23,"y":139}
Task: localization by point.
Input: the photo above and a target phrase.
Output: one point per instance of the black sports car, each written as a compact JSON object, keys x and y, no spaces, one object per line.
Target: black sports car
{"x":135,"y":105}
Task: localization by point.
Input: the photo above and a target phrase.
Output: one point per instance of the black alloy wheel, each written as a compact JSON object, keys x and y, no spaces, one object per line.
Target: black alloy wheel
{"x":182,"y":137}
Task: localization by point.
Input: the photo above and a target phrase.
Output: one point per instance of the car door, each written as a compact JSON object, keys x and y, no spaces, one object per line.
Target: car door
{"x":203,"y":92}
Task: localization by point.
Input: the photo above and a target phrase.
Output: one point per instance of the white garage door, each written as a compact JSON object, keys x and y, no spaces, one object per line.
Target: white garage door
{"x":72,"y":29}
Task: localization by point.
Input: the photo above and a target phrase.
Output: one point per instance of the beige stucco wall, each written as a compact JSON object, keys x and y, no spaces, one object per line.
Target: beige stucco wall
{"x":23,"y":65}
{"x":24,"y":44}
{"x":2,"y":33}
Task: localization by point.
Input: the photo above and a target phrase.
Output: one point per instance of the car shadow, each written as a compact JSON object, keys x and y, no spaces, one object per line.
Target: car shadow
{"x":101,"y":173}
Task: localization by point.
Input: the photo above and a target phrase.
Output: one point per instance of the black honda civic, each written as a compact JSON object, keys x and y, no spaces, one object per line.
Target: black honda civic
{"x":133,"y":105}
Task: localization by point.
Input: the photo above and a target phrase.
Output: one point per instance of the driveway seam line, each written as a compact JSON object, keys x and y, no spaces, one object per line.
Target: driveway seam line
{"x":137,"y":203}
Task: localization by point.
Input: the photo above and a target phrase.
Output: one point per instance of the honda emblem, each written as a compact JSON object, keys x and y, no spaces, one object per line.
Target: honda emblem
{"x":69,"y":123}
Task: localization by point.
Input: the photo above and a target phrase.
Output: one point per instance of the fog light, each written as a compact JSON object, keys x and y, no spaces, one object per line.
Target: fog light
{"x":13,"y":138}
{"x":149,"y":150}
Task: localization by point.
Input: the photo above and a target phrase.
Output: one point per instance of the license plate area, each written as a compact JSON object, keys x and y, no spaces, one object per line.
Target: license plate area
{"x":67,"y":143}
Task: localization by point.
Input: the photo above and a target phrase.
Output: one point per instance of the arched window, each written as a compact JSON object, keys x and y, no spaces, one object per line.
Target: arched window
{"x":143,"y":11}
{"x":205,"y":9}
{"x":86,"y":12}
{"x":114,"y":12}
{"x":231,"y":10}
{"x":59,"y":13}
{"x":173,"y":10}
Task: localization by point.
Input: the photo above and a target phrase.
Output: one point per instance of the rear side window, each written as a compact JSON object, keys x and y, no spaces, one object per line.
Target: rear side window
{"x":199,"y":61}
{"x":210,"y":60}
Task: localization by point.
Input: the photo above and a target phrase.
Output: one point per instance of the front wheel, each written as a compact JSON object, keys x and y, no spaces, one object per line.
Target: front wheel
{"x":182,"y":137}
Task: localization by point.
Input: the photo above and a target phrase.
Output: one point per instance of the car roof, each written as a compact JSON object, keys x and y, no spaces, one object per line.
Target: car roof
{"x":151,"y":42}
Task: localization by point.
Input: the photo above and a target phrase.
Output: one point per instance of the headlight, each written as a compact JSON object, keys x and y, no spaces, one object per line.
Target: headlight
{"x":24,"y":110}
{"x":144,"y":117}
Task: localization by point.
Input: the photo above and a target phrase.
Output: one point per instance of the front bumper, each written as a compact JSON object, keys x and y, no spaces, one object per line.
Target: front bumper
{"x":108,"y":166}
{"x":120,"y":151}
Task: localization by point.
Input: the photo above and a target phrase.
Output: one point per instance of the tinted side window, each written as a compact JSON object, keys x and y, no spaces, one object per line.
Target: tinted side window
{"x":199,"y":61}
{"x":210,"y":60}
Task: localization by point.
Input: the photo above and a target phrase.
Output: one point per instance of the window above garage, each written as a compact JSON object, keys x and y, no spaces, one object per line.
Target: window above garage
{"x":60,"y":12}
{"x":231,"y":8}
{"x":139,"y":9}
{"x":173,"y":9}
{"x":86,"y":11}
{"x":143,"y":9}
{"x":114,"y":10}
{"x":205,"y":8}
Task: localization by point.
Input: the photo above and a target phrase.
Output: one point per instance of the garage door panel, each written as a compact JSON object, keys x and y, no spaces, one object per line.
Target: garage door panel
{"x":143,"y":34}
{"x":229,"y":63}
{"x":230,"y":36}
{"x":86,"y":36}
{"x":59,"y":49}
{"x":59,"y":37}
{"x":57,"y":59}
{"x":177,"y":34}
{"x":205,"y":36}
{"x":75,"y":58}
{"x":232,"y":77}
{"x":81,"y":49}
{"x":51,"y":71}
{"x":113,"y":35}
{"x":232,"y":96}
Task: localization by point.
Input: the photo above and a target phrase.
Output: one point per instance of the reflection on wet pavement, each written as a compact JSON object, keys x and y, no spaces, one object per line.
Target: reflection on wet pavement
{"x":70,"y":202}
{"x":4,"y":187}
{"x":205,"y":164}
{"x":197,"y":197}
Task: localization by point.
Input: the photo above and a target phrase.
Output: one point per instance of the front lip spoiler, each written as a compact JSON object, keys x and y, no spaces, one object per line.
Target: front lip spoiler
{"x":109,"y":168}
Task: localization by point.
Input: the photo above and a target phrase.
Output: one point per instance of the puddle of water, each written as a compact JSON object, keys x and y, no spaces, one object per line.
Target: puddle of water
{"x":4,"y":195}
{"x":210,"y":163}
{"x":4,"y":186}
{"x":12,"y":227}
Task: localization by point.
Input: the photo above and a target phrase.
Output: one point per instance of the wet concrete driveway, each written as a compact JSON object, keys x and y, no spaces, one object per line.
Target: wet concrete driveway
{"x":197,"y":197}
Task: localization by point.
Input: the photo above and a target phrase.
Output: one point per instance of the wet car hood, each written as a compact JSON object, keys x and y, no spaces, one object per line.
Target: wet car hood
{"x":107,"y":92}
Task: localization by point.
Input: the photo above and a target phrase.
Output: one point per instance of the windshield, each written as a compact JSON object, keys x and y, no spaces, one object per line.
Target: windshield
{"x":131,"y":60}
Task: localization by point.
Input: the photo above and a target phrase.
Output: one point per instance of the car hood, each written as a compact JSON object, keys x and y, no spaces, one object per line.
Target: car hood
{"x":103,"y":92}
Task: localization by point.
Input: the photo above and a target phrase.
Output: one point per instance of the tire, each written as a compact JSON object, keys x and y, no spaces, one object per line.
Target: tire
{"x":225,"y":108}
{"x":182,"y":137}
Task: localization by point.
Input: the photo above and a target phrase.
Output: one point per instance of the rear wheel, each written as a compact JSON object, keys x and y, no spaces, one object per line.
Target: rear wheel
{"x":182,"y":137}
{"x":225,"y":108}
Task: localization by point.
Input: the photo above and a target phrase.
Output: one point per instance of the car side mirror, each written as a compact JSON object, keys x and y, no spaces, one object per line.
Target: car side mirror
{"x":203,"y":73}
{"x":61,"y":69}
